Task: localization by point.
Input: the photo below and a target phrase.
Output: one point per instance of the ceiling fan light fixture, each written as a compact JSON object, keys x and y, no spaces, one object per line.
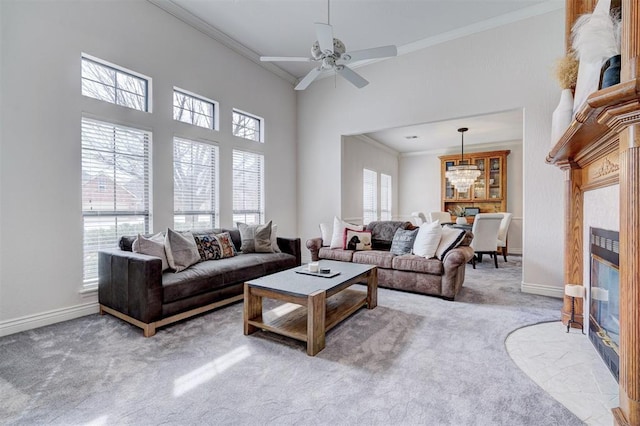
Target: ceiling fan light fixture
{"x":463,"y":175}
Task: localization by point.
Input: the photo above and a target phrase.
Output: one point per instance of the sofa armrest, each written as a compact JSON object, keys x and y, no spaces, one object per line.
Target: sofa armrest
{"x":291,"y":246}
{"x":131,"y":283}
{"x":458,"y":256}
{"x":314,"y":245}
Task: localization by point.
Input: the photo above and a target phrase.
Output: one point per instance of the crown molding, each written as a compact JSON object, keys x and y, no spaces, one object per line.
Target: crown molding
{"x":370,"y":141}
{"x":192,"y":20}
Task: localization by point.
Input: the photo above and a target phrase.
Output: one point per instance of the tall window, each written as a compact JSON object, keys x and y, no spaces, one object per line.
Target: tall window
{"x":113,"y":84}
{"x":115,"y":188}
{"x":247,"y":126}
{"x":385,"y":197}
{"x":369,"y":195}
{"x":248,"y":187}
{"x":193,"y":109}
{"x":195,"y":185}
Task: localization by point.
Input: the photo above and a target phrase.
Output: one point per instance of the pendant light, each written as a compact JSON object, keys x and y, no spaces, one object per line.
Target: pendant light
{"x":463,"y":175}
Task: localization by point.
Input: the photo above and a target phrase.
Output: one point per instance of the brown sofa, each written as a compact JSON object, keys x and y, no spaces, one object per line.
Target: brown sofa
{"x":408,"y":272}
{"x":132,"y":286}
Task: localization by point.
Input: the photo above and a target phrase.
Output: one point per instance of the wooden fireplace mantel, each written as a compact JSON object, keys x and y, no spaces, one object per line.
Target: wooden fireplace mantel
{"x":600,"y":148}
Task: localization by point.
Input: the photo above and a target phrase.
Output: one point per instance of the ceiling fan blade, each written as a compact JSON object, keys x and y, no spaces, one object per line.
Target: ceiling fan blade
{"x":324,"y":33}
{"x":284,"y":59}
{"x":374,"y":52}
{"x":308,"y":79}
{"x":353,"y":77}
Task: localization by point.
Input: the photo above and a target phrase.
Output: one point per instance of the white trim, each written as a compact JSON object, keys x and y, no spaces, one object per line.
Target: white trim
{"x":214,"y":33}
{"x":30,"y":322}
{"x":370,"y":141}
{"x":542,"y":289}
{"x":472,"y":148}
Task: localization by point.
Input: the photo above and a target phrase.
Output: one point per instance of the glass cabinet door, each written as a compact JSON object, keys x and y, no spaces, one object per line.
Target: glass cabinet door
{"x":479,"y":187}
{"x":495,"y":178}
{"x":449,"y":190}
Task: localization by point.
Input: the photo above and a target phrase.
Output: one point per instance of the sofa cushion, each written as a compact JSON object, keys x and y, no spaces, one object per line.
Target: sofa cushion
{"x":380,"y":258}
{"x":451,"y":238}
{"x":382,"y":232}
{"x":357,"y":240}
{"x":208,"y":246}
{"x":335,"y":254}
{"x":413,"y":263}
{"x":181,"y":249}
{"x":403,"y":241}
{"x":337,"y":238}
{"x":214,"y":274}
{"x":152,"y":246}
{"x":427,"y":240}
{"x":255,"y":238}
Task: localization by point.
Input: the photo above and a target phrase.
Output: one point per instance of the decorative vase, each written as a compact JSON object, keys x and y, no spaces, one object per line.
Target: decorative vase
{"x":562,"y":115}
{"x":461,"y":220}
{"x":611,"y":72}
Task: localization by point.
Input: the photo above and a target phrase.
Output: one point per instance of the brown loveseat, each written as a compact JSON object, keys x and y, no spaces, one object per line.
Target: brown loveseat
{"x":407,"y":272}
{"x":133,"y":287}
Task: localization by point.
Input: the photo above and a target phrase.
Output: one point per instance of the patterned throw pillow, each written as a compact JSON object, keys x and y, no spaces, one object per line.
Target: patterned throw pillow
{"x":226,"y":245}
{"x":208,"y":246}
{"x":403,"y":241}
{"x":451,"y":238}
{"x":357,"y":240}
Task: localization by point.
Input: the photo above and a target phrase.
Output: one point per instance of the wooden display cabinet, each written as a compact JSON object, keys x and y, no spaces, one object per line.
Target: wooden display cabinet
{"x":488,"y":193}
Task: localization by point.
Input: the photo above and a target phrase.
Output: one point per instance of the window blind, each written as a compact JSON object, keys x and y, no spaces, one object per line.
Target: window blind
{"x":385,"y":197}
{"x":369,"y":195}
{"x":115,"y":187}
{"x":195,"y":185}
{"x":248,"y":187}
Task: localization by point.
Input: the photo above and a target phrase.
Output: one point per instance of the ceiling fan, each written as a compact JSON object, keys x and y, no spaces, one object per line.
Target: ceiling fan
{"x":330,"y":54}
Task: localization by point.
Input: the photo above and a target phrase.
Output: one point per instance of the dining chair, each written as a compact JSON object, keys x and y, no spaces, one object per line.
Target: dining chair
{"x":485,"y":236}
{"x":502,"y":233}
{"x":443,"y":217}
{"x":419,"y":218}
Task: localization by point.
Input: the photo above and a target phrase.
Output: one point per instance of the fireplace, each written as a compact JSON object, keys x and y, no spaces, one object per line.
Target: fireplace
{"x":604,"y":303}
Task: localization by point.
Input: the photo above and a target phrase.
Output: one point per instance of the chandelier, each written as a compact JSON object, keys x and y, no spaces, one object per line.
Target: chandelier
{"x":463,"y":175}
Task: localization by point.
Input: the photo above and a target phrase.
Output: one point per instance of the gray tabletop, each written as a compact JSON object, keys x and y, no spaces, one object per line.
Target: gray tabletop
{"x":297,"y":284}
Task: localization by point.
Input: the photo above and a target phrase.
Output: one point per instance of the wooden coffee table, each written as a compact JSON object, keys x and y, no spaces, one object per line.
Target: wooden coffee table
{"x":324,"y":302}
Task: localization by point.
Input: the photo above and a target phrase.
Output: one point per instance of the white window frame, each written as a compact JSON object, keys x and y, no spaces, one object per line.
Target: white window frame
{"x":213,"y":169}
{"x":237,"y":187}
{"x":216,"y":108}
{"x":369,"y":195}
{"x":249,"y":115}
{"x":118,"y":68}
{"x":386,"y":196}
{"x":93,"y":212}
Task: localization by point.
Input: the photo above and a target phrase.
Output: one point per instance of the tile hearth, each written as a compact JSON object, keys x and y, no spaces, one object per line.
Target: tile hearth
{"x":568,"y":367}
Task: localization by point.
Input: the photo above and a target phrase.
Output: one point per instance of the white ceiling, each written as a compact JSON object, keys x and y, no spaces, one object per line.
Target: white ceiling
{"x":484,"y":129}
{"x":257,"y":28}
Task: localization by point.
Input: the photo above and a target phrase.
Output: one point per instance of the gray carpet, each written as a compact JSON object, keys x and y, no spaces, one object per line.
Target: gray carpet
{"x":412,"y":360}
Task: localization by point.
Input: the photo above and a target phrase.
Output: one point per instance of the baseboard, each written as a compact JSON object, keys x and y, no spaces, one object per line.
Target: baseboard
{"x":542,"y":289}
{"x":516,"y":251}
{"x":47,"y":318}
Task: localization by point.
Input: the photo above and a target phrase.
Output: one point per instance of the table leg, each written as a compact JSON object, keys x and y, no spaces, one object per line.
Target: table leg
{"x":316,"y":311}
{"x":372,"y":289}
{"x":252,"y":309}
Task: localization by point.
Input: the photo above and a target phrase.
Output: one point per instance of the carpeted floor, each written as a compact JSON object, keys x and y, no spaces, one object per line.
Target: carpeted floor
{"x":412,"y":360}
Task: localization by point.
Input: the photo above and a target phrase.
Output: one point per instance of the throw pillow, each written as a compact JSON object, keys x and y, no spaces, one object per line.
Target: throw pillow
{"x":451,"y":238}
{"x":428,"y":239}
{"x":152,"y":246}
{"x":255,"y":238}
{"x":181,"y":249}
{"x":402,"y":242}
{"x":357,"y":240}
{"x":337,"y":238}
{"x":326,"y":231}
{"x":274,"y":239}
{"x":208,"y":246}
{"x":226,"y":244}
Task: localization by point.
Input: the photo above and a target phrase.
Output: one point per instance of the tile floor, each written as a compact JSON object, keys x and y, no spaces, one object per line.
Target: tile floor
{"x":568,"y":367}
